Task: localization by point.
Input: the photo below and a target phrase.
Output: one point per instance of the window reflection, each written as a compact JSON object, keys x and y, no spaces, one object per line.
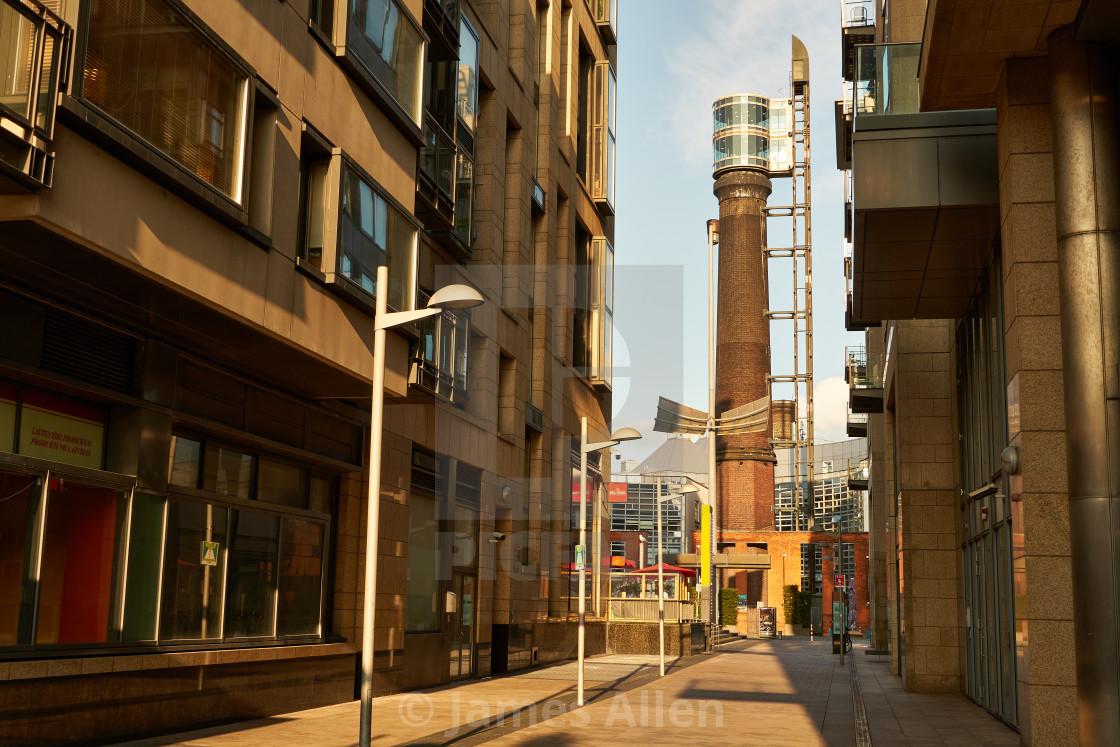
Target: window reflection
{"x":191,"y":605}
{"x":374,"y":233}
{"x":251,"y":586}
{"x":467,"y":96}
{"x":153,"y":72}
{"x":391,"y":47}
{"x":20,"y":494}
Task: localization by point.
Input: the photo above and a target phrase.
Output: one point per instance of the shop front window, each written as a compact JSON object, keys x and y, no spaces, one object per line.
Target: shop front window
{"x":191,"y":605}
{"x":251,"y":582}
{"x":81,"y":568}
{"x":18,"y":513}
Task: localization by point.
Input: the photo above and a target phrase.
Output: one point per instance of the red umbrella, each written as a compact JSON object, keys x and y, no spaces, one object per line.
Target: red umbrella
{"x":666,"y":568}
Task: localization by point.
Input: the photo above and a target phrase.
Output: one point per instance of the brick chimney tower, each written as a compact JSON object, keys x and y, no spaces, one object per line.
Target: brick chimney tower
{"x":745,"y":463}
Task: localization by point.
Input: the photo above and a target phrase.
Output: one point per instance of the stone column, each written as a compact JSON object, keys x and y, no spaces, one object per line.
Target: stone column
{"x":1085,"y":124}
{"x":746,"y":462}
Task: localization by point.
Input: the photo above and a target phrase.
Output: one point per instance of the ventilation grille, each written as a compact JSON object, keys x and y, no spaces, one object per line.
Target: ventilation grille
{"x":76,"y":347}
{"x":468,"y":484}
{"x":464,"y":139}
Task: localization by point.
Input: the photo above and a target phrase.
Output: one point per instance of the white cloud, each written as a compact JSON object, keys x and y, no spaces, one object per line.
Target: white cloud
{"x":830,"y":409}
{"x":742,"y":46}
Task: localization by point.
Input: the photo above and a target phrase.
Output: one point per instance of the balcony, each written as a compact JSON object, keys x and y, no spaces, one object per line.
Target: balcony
{"x":864,"y":376}
{"x":435,"y":178}
{"x":857,"y":26}
{"x":857,"y":424}
{"x":924,"y":191}
{"x":858,"y":475}
{"x":441,"y":24}
{"x":33,"y":44}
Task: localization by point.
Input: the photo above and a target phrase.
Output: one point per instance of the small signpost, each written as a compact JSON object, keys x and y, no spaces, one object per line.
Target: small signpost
{"x":579,"y":565}
{"x":209,"y":553}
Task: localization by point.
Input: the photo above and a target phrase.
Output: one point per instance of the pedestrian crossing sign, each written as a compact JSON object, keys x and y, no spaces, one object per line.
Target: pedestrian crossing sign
{"x":209,"y":553}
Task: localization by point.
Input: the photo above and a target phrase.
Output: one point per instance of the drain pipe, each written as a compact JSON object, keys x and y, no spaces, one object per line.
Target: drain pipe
{"x":1083,"y":89}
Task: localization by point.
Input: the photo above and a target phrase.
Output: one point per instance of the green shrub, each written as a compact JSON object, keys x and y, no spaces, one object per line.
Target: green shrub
{"x":804,"y":614}
{"x":728,"y":606}
{"x":789,"y":604}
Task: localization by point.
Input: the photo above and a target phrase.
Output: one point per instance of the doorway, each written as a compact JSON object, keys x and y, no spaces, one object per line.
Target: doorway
{"x":463,"y":626}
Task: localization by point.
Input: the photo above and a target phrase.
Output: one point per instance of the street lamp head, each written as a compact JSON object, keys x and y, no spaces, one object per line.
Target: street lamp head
{"x":455,"y":298}
{"x":713,"y":230}
{"x":625,"y":434}
{"x":688,"y":489}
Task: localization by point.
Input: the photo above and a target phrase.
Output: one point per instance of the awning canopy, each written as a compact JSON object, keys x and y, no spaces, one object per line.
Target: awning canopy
{"x":666,"y":568}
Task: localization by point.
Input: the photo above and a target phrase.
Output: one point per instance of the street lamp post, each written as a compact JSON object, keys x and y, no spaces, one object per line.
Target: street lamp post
{"x":713,"y":239}
{"x":837,"y":563}
{"x":622,"y":434}
{"x":448,"y":298}
{"x":661,"y":569}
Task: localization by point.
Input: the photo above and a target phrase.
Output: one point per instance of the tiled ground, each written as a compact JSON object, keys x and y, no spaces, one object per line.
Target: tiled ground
{"x":785,"y":692}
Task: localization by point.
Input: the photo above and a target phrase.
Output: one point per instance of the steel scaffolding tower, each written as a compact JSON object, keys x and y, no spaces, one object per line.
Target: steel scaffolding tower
{"x":800,"y":252}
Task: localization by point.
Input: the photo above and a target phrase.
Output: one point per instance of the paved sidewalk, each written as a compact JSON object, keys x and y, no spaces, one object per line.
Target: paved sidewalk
{"x":784,"y":692}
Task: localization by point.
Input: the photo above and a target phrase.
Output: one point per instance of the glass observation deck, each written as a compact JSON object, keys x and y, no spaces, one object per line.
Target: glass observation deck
{"x":886,"y":80}
{"x":752,"y":132}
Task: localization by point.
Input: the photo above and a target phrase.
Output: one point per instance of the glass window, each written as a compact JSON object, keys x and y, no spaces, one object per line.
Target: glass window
{"x":462,"y":349}
{"x":422,"y":589}
{"x":251,"y":586}
{"x":81,"y":563}
{"x":186,"y":462}
{"x":17,"y":38}
{"x":373,"y":233}
{"x":228,"y":472}
{"x":464,"y":199}
{"x":191,"y":606}
{"x":321,"y":13}
{"x":145,"y":538}
{"x":299,"y":598}
{"x":157,"y":75}
{"x":321,"y":494}
{"x":467,"y":96}
{"x":603,"y":136}
{"x":464,"y":551}
{"x":387,"y":41}
{"x":285,"y":484}
{"x":19,"y":506}
{"x":314,"y":178}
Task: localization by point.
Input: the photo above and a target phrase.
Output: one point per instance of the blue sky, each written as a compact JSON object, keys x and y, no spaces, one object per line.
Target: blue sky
{"x":675,"y":59}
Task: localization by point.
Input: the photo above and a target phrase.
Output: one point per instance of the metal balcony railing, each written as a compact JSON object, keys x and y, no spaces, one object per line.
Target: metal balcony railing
{"x":855,"y":13}
{"x":862,"y":371}
{"x":886,"y":79}
{"x":34,"y":44}
{"x":647,"y":610}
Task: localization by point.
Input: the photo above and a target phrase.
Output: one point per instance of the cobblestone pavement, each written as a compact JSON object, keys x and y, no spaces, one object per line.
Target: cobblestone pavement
{"x":784,"y":692}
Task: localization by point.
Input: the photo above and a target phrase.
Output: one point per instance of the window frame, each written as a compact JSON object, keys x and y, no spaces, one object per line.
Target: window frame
{"x":329,"y":204}
{"x":249,"y":82}
{"x":46,"y":23}
{"x":471,"y":123}
{"x":593,"y":312}
{"x":337,"y":40}
{"x":429,"y":374}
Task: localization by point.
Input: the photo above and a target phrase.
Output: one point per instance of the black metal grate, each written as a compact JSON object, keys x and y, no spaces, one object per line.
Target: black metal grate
{"x":84,"y":350}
